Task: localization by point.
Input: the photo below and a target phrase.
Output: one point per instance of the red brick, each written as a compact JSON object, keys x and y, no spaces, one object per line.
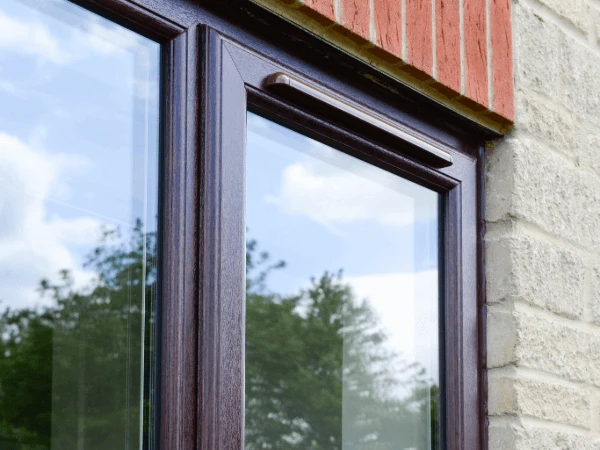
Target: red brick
{"x":324,"y":7}
{"x":472,"y":104}
{"x":350,"y":35}
{"x":388,"y":25}
{"x":419,"y":40}
{"x":476,"y":51}
{"x":447,"y":19}
{"x":356,"y":16}
{"x":502,"y":69}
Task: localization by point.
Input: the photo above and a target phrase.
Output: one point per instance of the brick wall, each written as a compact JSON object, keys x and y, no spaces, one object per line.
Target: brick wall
{"x":543,"y":236}
{"x":458,"y":52}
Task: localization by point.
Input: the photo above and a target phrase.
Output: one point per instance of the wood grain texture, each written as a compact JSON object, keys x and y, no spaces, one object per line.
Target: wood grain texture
{"x":452,"y":349}
{"x":232,"y":256}
{"x":179,"y":256}
{"x":502,"y":62}
{"x":482,"y":297}
{"x":210,"y":215}
{"x":447,"y":17}
{"x":419,"y":39}
{"x":475,"y":42}
{"x":222,"y":291}
{"x":388,"y":25}
{"x":145,"y":21}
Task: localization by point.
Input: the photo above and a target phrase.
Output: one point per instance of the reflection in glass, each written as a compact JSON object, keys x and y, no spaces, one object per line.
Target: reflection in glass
{"x":78,"y":209}
{"x":341,"y":300}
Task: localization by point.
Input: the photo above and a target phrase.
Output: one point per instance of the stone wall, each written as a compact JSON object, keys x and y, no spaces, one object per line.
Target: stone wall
{"x":543,"y":236}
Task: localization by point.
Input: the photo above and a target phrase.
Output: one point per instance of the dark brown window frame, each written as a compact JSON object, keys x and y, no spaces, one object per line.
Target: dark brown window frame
{"x":215,"y":62}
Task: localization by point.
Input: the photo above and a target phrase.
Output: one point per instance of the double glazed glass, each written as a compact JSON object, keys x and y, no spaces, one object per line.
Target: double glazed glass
{"x":78,"y":221}
{"x":342,"y":297}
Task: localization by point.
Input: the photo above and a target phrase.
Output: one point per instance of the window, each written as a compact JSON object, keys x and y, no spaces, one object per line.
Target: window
{"x":262,"y":248}
{"x":79,"y":146}
{"x":342,"y":291}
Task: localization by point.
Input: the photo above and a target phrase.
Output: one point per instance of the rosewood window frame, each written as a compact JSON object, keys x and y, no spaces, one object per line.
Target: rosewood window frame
{"x":216,"y":59}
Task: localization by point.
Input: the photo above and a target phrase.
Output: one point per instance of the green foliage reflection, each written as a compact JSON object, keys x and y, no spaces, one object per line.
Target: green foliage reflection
{"x":70,"y":373}
{"x":318,"y":375}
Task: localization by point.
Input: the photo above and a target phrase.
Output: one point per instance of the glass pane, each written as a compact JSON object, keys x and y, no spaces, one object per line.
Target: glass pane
{"x":78,"y":221}
{"x":341,"y":300}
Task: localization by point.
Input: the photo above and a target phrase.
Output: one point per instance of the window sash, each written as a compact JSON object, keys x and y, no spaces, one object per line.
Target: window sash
{"x":215,"y":66}
{"x":237,"y":86}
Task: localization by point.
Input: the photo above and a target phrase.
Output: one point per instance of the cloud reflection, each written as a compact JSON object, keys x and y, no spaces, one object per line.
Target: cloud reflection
{"x":34,"y":244}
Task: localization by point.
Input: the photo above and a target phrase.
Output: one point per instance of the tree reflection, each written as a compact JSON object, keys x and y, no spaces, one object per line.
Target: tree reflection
{"x":70,"y":373}
{"x":318,"y":372}
{"x":319,"y":375}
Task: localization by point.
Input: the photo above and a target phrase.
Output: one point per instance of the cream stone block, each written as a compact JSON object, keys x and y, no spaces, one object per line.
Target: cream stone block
{"x":538,"y":272}
{"x":540,"y":399}
{"x":536,"y":50}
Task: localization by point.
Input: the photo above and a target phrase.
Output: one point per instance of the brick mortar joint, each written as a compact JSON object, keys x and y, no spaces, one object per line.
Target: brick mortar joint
{"x":518,"y":308}
{"x":512,"y":395}
{"x":522,"y":227}
{"x":521,"y":423}
{"x":541,"y":96}
{"x":516,"y":372}
{"x":424,"y":83}
{"x":521,"y":300}
{"x":528,"y":422}
{"x":572,"y":159}
{"x":568,"y":17}
{"x":550,"y":423}
{"x":586,"y":127}
{"x":548,"y":14}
